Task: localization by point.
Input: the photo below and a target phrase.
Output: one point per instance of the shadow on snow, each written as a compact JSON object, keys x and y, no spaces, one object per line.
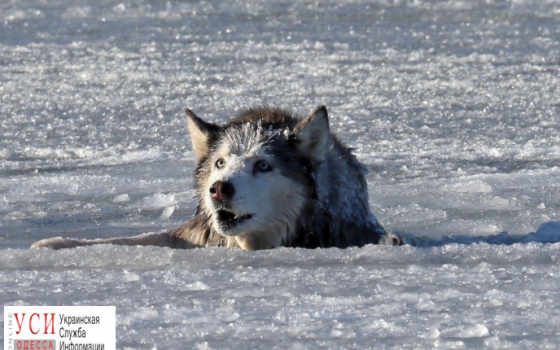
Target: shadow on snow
{"x":548,"y":232}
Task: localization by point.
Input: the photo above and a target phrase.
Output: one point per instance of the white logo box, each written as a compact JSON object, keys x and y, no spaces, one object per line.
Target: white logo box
{"x":59,"y":327}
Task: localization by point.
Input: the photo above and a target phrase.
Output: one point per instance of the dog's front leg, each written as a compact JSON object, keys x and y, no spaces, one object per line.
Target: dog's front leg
{"x":160,"y":239}
{"x":193,"y":234}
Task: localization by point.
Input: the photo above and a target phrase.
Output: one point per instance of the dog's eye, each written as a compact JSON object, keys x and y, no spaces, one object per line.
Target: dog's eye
{"x":263,"y":166}
{"x":220,"y":163}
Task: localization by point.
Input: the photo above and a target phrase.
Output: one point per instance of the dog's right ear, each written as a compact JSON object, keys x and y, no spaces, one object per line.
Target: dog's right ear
{"x":202,"y":134}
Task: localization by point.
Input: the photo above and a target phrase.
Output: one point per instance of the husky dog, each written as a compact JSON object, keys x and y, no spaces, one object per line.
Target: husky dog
{"x":269,"y":179}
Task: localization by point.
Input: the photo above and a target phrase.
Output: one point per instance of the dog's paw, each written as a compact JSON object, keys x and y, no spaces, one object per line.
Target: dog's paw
{"x":402,"y":238}
{"x":390,"y":239}
{"x":56,"y":243}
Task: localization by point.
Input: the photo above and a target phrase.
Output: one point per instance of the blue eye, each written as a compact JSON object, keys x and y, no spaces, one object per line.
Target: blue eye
{"x":262,"y":166}
{"x":220,"y":163}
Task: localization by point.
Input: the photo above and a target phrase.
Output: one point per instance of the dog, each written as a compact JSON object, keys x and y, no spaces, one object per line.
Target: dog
{"x":269,"y":179}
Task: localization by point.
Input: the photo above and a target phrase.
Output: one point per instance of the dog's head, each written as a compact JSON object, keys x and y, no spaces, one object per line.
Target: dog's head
{"x":255,"y":174}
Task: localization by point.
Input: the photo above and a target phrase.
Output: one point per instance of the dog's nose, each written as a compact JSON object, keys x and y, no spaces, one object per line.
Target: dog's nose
{"x":222,"y":190}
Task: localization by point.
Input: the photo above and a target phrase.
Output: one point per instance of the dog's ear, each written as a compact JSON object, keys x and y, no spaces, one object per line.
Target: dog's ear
{"x":313,"y":134}
{"x":202,"y":134}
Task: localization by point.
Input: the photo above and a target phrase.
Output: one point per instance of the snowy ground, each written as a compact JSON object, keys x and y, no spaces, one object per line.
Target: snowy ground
{"x":453,"y":106}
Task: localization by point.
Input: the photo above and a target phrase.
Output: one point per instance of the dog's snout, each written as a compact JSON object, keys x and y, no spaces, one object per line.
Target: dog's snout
{"x":222,"y":190}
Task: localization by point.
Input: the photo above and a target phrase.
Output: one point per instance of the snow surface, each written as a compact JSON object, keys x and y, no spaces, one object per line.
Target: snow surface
{"x":452,"y":105}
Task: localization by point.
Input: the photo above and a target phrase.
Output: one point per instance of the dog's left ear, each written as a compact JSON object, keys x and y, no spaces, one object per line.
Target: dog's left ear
{"x":313,"y":134}
{"x":202,"y":134}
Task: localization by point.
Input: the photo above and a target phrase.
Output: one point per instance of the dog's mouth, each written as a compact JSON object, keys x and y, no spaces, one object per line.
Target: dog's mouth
{"x":229,"y":219}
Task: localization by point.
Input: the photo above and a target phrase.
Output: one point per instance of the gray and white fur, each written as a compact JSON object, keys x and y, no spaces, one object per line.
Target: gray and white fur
{"x":269,"y":179}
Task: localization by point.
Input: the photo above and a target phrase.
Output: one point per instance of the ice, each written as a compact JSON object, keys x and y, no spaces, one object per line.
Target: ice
{"x":122,"y":198}
{"x":476,"y":331}
{"x":452,"y":106}
{"x":158,"y":200}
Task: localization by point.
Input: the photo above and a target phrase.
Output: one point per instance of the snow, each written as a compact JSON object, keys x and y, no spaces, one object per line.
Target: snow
{"x":452,"y":106}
